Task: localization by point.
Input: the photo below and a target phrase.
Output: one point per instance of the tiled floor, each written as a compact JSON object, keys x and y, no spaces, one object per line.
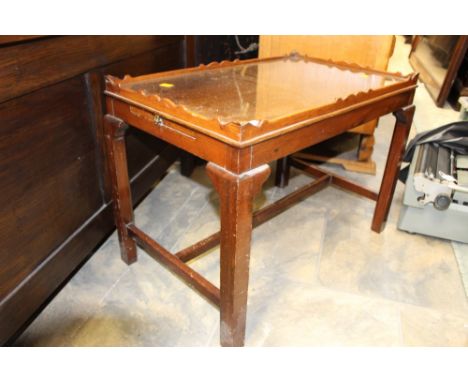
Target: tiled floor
{"x":319,"y":276}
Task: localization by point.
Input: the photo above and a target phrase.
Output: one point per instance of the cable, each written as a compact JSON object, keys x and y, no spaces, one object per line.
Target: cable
{"x":251,"y":48}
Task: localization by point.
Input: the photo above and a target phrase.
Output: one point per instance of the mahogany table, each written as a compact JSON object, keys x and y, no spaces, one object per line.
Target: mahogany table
{"x":239,"y":116}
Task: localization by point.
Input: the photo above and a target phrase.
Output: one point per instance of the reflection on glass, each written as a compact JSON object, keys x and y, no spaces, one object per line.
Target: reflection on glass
{"x":260,"y":91}
{"x":434,"y":54}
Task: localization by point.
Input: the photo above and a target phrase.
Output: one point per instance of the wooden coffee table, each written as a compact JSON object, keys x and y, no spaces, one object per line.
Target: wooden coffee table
{"x":239,"y":116}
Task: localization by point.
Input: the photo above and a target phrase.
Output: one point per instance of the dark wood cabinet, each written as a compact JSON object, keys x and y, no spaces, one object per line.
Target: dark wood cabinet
{"x":56,"y":204}
{"x":210,"y":48}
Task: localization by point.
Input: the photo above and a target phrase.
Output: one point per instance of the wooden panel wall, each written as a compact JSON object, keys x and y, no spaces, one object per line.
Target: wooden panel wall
{"x":371,"y":51}
{"x":53,"y":180}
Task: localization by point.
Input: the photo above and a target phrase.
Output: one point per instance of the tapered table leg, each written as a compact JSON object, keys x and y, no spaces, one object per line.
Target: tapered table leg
{"x":404,"y":118}
{"x":236,"y":193}
{"x":282,"y":172}
{"x":121,"y":195}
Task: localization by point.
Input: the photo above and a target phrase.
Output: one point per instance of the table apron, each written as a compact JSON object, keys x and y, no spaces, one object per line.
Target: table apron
{"x":241,"y":159}
{"x":296,"y":140}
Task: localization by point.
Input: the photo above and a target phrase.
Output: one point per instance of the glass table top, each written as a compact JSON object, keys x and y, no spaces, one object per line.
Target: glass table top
{"x":261,"y":90}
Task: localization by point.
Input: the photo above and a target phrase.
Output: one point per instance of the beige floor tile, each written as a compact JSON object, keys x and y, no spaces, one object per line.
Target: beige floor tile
{"x":394,"y":265}
{"x":78,"y":300}
{"x":428,"y":327}
{"x":149,"y":309}
{"x":303,"y":315}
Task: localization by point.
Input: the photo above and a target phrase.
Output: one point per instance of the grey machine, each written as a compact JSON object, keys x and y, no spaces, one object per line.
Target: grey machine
{"x":435,"y":202}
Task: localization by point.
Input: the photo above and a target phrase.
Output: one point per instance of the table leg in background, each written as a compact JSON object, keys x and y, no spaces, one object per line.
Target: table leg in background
{"x":282,"y":172}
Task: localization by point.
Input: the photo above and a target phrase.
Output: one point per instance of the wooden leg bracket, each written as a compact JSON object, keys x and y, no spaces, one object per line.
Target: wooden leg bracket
{"x":335,"y":179}
{"x":176,"y":262}
{"x":259,"y":217}
{"x":191,"y":277}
